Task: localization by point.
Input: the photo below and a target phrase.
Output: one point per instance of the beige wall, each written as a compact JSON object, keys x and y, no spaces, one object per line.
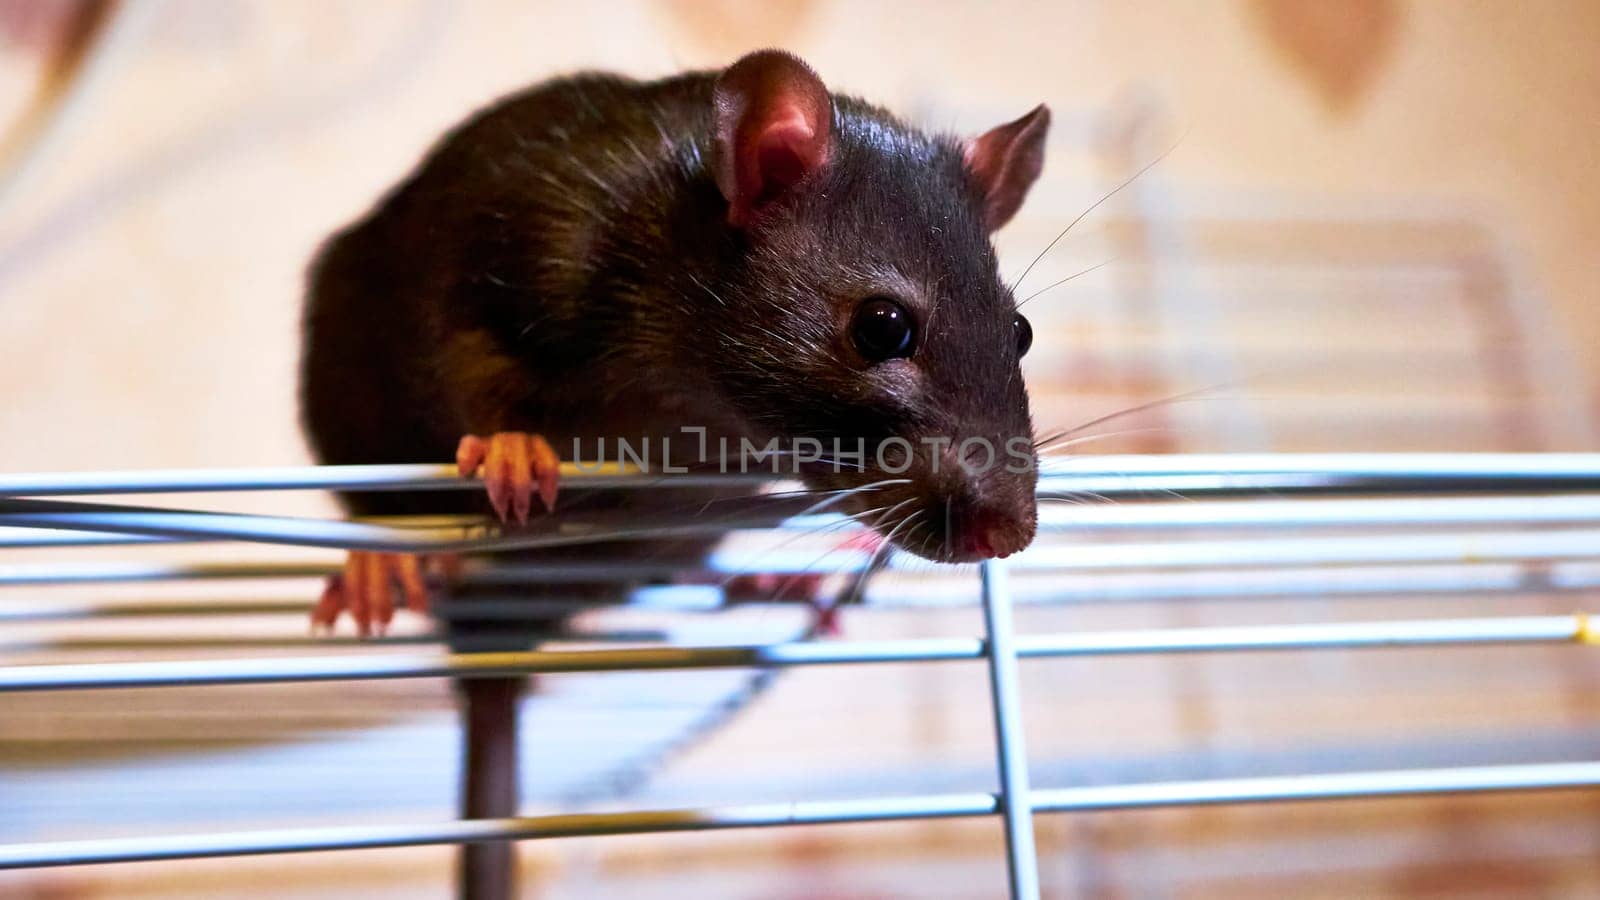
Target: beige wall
{"x":149,"y":277}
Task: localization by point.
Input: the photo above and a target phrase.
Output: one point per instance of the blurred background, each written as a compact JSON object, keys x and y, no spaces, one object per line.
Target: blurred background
{"x":1372,"y":226}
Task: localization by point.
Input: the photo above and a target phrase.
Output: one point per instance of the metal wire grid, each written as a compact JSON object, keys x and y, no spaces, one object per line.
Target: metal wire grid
{"x":1497,"y":556}
{"x":1501,"y":491}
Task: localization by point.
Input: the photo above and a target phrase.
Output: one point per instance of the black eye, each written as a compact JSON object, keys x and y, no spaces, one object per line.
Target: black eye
{"x":882,"y":329}
{"x":1024,"y":333}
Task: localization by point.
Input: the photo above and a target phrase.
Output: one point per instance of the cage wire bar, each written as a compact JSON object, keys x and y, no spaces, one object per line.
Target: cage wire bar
{"x":1313,"y":490}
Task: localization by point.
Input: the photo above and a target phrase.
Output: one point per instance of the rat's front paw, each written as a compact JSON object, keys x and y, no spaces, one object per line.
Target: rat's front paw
{"x":512,"y":464}
{"x":368,"y":587}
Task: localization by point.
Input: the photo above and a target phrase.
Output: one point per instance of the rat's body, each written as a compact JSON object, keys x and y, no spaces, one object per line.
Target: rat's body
{"x":744,"y":252}
{"x":536,"y":274}
{"x":602,"y":258}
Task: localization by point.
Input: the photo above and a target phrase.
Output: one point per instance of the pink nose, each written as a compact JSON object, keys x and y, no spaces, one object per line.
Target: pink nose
{"x":987,"y":538}
{"x":983,"y":546}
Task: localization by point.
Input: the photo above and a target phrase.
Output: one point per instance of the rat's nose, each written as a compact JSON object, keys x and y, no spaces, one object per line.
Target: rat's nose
{"x":981,"y":545}
{"x":992,"y":536}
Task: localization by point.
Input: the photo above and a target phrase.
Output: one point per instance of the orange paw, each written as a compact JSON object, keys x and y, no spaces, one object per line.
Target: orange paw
{"x":369,"y":587}
{"x":512,"y":464}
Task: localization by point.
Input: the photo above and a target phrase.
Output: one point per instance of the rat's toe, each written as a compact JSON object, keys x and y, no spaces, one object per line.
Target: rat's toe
{"x":326,"y":612}
{"x":546,"y":467}
{"x":355,"y":591}
{"x":513,"y":465}
{"x":470,"y":454}
{"x":380,"y":590}
{"x":408,"y":571}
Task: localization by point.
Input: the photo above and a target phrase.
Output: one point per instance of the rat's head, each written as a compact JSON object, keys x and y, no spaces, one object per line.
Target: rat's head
{"x":867,"y":307}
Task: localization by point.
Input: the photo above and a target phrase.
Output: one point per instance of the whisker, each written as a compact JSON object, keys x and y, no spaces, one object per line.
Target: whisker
{"x":1096,"y":205}
{"x":842,"y":522}
{"x":830,"y":497}
{"x":882,"y":513}
{"x":847,"y":492}
{"x":795,"y":578}
{"x":1075,"y":493}
{"x":1065,"y":442}
{"x":878,"y":522}
{"x":878,"y":560}
{"x":1196,"y":394}
{"x":1072,"y":500}
{"x":1094,"y":268}
{"x":805,"y":492}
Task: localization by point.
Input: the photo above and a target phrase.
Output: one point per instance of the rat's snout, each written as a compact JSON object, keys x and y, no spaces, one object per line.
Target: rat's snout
{"x":992,"y":534}
{"x":976,"y":509}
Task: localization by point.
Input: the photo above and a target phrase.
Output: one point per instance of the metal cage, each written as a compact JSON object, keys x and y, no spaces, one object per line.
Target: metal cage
{"x":1537,"y":513}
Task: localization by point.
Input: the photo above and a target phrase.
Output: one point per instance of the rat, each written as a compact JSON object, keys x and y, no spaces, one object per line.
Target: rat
{"x":741,"y":251}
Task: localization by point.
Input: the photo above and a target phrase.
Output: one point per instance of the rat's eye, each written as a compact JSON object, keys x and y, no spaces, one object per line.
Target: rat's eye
{"x":1024,"y":333}
{"x":882,"y":329}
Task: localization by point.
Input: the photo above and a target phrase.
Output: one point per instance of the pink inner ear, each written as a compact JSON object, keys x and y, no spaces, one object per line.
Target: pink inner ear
{"x":1005,"y":161}
{"x":774,"y":118}
{"x":783,"y":153}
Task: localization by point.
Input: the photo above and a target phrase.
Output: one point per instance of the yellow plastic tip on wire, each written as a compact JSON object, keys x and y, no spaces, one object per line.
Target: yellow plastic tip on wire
{"x":1587,"y":633}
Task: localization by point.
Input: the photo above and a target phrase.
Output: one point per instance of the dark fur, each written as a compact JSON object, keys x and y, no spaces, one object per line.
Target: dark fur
{"x":561,"y":263}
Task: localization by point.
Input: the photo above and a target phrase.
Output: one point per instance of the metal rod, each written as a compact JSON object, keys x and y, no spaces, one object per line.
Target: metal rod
{"x":484,"y":607}
{"x":79,"y":610}
{"x":423,"y":477}
{"x":1341,"y":786}
{"x":1243,"y":584}
{"x":912,"y":591}
{"x":15,"y":537}
{"x":901,"y":592}
{"x":1364,"y":550}
{"x":1544,"y":509}
{"x":1349,"y":635}
{"x":549,"y":531}
{"x":1390,"y":512}
{"x":1397,"y":783}
{"x":301,"y":642}
{"x":99,"y":573}
{"x":1207,"y":472}
{"x":69,"y":853}
{"x":1579,"y":467}
{"x":1011,"y":754}
{"x":1375,"y":549}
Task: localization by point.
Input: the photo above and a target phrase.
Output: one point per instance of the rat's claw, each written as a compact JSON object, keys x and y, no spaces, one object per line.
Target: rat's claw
{"x":326,"y":612}
{"x":355,"y":591}
{"x":367,"y":588}
{"x":470,"y":454}
{"x":409,"y":570}
{"x":546,"y":469}
{"x":518,"y":468}
{"x":380,"y":592}
{"x":498,"y":475}
{"x":512,"y":464}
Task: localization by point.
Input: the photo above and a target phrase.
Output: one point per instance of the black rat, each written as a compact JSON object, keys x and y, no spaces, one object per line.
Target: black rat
{"x":740,"y":251}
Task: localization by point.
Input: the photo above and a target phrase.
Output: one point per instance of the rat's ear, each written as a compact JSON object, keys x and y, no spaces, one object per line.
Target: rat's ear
{"x":1005,"y":161}
{"x":773,"y":122}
